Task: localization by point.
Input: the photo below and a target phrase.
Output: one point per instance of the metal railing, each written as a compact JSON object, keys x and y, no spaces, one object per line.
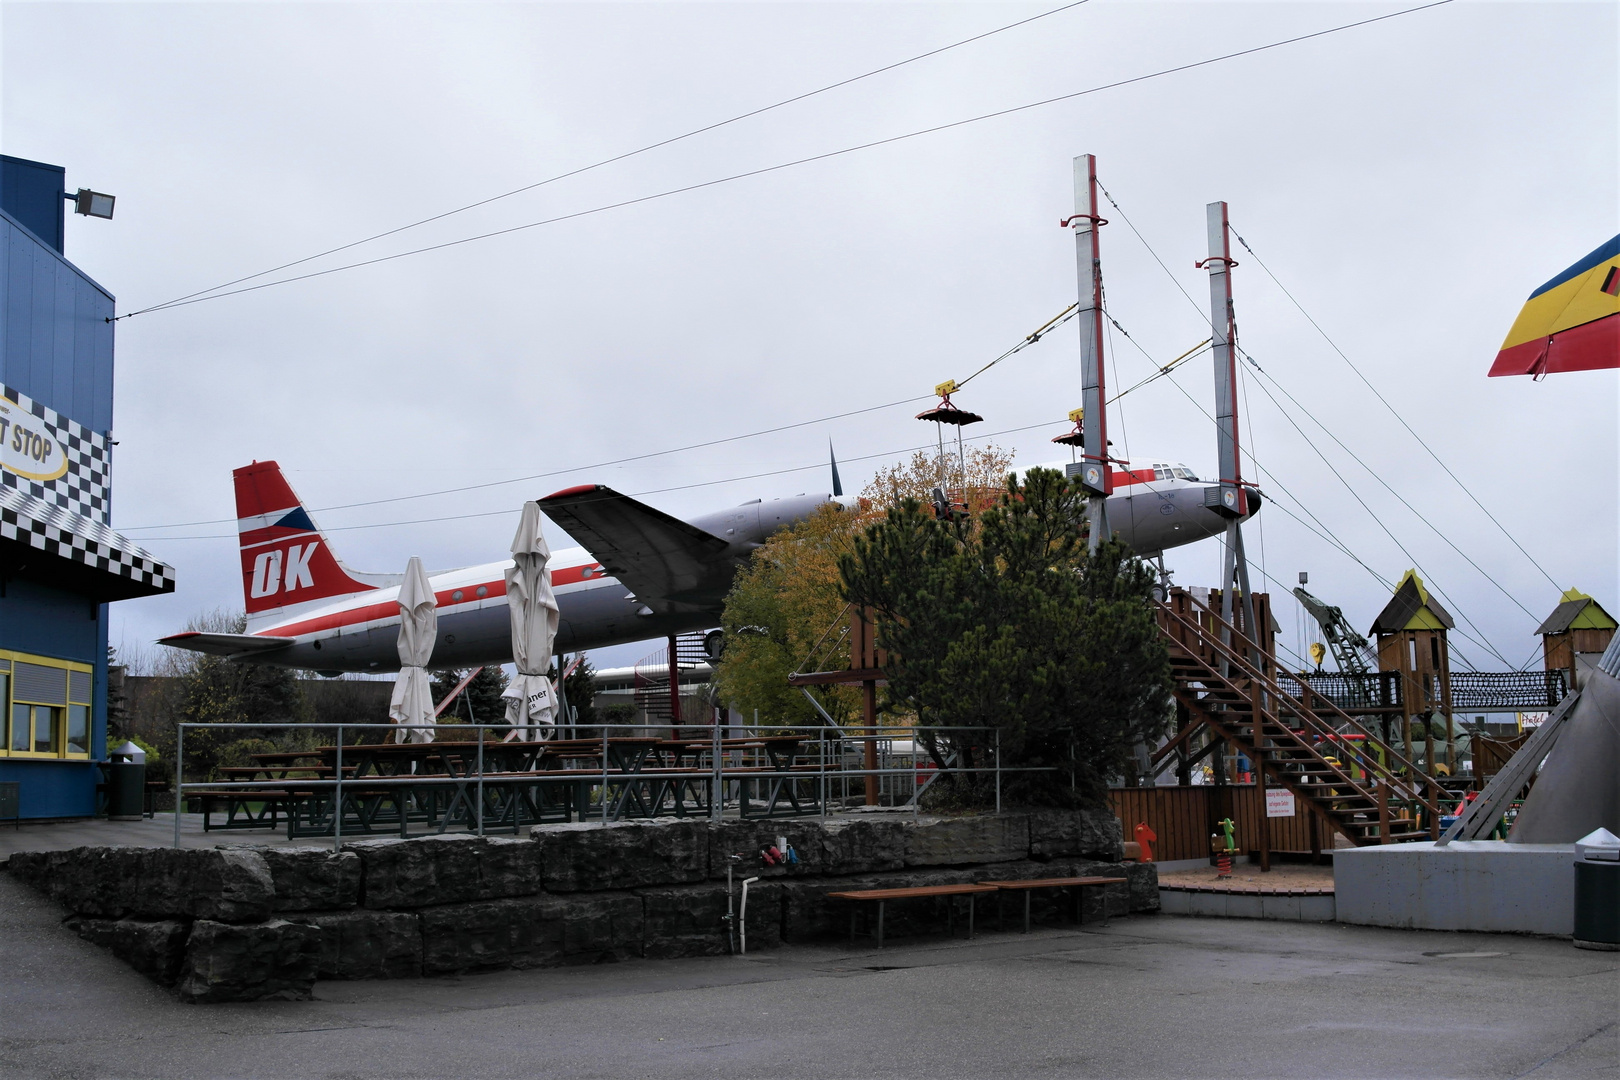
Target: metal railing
{"x":826,"y":763}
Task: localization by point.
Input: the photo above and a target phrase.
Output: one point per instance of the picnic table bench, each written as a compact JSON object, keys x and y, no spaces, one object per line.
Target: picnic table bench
{"x":881,"y":897}
{"x":1029,"y":885}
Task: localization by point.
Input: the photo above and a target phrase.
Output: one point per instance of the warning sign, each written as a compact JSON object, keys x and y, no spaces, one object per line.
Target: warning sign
{"x":1279,"y":804}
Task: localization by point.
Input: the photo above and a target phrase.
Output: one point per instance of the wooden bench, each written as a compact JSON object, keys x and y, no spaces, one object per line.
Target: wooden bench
{"x":881,"y":897}
{"x":1027,"y":886}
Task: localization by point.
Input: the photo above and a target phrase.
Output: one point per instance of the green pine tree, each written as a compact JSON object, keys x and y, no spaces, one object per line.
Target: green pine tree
{"x":1004,"y":623}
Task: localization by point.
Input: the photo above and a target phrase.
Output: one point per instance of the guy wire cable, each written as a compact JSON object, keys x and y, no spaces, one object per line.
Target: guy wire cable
{"x":1351,"y":364}
{"x":1415,"y":511}
{"x":1256,"y":461}
{"x":1028,"y":340}
{"x":1239,"y":349}
{"x":1354,"y":494}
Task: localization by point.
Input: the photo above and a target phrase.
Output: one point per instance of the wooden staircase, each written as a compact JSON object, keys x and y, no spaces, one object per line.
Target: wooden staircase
{"x":1361,"y":787}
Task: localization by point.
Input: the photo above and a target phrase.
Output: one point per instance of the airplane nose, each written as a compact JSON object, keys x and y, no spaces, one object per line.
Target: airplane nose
{"x":1255,"y":500}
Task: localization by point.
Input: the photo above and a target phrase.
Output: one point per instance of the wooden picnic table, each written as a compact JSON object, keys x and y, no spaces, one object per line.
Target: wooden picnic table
{"x":881,"y":897}
{"x":1029,"y":885}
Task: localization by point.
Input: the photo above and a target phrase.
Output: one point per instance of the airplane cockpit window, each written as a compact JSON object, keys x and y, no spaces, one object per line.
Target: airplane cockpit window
{"x":1184,"y":473}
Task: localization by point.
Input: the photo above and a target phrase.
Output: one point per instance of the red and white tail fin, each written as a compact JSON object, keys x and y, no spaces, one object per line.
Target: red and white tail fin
{"x":286,"y":559}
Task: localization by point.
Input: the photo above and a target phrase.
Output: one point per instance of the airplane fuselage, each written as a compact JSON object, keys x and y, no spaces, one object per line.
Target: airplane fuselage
{"x":361,"y":633}
{"x":682,"y":570}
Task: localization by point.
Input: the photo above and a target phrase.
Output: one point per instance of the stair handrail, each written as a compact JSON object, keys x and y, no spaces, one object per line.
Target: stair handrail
{"x":1301,"y":710}
{"x":1327,"y":767}
{"x":1340,"y":777}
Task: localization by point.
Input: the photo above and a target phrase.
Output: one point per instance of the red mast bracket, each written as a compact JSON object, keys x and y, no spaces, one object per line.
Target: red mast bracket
{"x":1064,"y":223}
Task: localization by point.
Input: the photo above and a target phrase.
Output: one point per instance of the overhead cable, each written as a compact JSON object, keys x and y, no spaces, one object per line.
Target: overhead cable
{"x":624,"y":156}
{"x":556,"y":472}
{"x":634,"y":494}
{"x":217,"y":295}
{"x":1028,"y":340}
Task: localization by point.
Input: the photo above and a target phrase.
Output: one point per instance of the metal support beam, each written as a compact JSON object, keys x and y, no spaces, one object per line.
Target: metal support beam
{"x":1233,"y":499}
{"x":1094,"y":472}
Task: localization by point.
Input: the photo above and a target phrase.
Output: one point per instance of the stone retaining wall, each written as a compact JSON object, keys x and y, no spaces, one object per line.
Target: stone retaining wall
{"x":238,"y":923}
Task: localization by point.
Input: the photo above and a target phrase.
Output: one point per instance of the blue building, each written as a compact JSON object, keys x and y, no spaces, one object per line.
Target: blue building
{"x":60,"y":563}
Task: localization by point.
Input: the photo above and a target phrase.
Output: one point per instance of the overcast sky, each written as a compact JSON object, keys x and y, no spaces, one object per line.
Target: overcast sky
{"x":1410,"y":182}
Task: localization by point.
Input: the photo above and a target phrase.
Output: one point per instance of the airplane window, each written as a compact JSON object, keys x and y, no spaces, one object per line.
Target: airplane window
{"x":1161,"y":474}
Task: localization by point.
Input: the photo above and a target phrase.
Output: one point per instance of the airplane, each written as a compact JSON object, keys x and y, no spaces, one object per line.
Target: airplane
{"x":640,"y":573}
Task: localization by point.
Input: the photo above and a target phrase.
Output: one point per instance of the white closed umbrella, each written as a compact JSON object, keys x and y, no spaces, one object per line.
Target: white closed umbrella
{"x":531,"y":703}
{"x":412,"y":700}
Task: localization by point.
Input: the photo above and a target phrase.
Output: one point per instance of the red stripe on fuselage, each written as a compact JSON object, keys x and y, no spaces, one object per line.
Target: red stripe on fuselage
{"x":444,"y":599}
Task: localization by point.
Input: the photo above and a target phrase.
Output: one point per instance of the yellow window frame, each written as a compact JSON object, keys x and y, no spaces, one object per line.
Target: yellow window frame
{"x":69,"y":699}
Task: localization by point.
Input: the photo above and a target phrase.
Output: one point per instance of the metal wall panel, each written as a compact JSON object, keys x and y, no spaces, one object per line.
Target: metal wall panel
{"x":56,"y":344}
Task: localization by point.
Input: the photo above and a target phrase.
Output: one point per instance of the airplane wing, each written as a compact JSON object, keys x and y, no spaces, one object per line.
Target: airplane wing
{"x":668,"y":564}
{"x":231,"y":646}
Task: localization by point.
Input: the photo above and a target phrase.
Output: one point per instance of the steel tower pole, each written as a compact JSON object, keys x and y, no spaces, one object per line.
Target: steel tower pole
{"x":1232,"y":500}
{"x":1094,"y":472}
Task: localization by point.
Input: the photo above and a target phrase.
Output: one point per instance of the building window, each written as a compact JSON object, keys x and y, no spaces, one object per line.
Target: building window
{"x":46,"y":703}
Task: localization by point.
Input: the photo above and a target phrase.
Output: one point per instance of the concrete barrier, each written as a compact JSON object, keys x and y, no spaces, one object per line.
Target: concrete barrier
{"x":1484,"y":885}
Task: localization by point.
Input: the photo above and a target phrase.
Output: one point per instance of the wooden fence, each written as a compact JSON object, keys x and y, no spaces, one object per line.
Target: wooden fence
{"x":1184,"y":818}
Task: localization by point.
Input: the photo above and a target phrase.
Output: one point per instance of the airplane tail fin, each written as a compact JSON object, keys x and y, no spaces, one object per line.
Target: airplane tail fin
{"x":286,"y":559}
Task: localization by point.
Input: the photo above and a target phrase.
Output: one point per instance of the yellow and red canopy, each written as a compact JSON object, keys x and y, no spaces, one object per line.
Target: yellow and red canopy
{"x":1572,"y":323}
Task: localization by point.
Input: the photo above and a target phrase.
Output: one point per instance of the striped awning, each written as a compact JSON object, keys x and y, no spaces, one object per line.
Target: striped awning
{"x":53,"y":543}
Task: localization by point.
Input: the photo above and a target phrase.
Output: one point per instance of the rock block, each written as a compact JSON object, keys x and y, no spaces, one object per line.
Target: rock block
{"x":488,"y":935}
{"x":726,"y":838}
{"x":865,"y":845}
{"x":589,"y":857}
{"x":1089,"y":833}
{"x":155,"y":948}
{"x":313,"y":879}
{"x":435,"y":870}
{"x":366,"y":944}
{"x":601,"y":927}
{"x":271,"y":959}
{"x":969,"y":840}
{"x":690,"y":920}
{"x":224,"y":885}
{"x":1144,"y":887}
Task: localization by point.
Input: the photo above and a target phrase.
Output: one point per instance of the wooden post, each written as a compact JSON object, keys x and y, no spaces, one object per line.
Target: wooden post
{"x":674,"y":692}
{"x":1257,"y":713}
{"x":1184,"y":769}
{"x":869,"y":702}
{"x":1445,"y":705}
{"x":1316,"y":839}
{"x":864,"y":655}
{"x":1383,"y":810}
{"x":1265,"y":819}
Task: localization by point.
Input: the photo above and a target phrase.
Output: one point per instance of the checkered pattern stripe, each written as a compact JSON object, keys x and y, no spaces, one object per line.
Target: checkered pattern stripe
{"x":66,"y":535}
{"x":86,"y":488}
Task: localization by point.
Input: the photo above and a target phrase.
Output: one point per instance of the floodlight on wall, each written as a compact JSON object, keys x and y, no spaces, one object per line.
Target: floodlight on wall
{"x":92,"y":203}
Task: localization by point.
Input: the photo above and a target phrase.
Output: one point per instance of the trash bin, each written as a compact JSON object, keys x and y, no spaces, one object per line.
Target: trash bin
{"x":1597,"y":891}
{"x":126,"y":783}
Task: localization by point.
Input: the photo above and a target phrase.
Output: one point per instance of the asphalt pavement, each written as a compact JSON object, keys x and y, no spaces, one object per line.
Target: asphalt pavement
{"x":1147,"y":996}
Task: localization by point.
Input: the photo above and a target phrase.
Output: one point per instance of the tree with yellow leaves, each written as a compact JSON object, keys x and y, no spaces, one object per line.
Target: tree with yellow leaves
{"x":784,"y":608}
